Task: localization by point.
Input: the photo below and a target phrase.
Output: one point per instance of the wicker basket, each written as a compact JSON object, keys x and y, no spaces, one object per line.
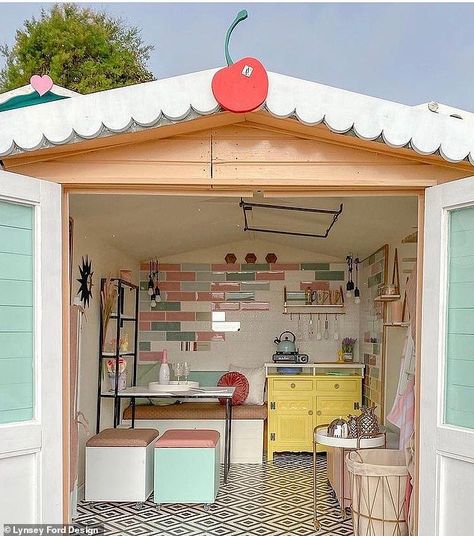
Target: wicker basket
{"x":378,"y":480}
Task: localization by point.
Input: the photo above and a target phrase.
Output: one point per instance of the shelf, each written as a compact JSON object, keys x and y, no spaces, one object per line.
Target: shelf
{"x":387,"y":298}
{"x":396,"y":325}
{"x":339,"y":305}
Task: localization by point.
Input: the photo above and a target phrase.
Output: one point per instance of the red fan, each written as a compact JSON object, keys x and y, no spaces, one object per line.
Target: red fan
{"x":241,"y":384}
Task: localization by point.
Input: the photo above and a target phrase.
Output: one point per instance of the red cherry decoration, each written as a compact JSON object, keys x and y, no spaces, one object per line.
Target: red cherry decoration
{"x":242,"y":86}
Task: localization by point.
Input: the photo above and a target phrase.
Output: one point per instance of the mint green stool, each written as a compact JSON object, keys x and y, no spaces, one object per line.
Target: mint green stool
{"x":187,"y":467}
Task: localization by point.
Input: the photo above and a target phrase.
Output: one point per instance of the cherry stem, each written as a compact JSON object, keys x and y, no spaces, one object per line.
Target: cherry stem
{"x":241,"y":15}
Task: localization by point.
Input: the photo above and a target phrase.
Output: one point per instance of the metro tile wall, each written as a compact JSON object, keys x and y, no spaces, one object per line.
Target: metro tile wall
{"x":372,"y":274}
{"x":251,"y":294}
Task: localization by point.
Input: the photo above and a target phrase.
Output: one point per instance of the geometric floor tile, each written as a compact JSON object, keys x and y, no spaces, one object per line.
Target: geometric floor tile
{"x":272,"y":499}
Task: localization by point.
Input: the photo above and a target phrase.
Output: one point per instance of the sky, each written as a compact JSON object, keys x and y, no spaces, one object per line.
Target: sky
{"x":408,"y":53}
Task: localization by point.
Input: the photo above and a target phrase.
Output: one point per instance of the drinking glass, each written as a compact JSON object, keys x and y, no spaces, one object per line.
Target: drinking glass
{"x":186,"y":371}
{"x":178,"y":370}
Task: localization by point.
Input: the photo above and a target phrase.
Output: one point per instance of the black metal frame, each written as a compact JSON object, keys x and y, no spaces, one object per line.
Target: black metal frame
{"x":250,"y":206}
{"x":121,"y":284}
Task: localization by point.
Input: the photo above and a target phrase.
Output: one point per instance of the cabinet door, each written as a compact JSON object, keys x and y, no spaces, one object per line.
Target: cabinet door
{"x":292,"y":421}
{"x":329,"y":408}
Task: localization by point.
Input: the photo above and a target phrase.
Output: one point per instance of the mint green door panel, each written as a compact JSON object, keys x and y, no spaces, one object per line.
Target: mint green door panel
{"x":13,"y":240}
{"x":14,"y":318}
{"x":18,"y":344}
{"x":459,"y":374}
{"x":16,"y":293}
{"x":16,"y":370}
{"x":16,"y":312}
{"x":16,"y":267}
{"x":16,"y":396}
{"x":13,"y":215}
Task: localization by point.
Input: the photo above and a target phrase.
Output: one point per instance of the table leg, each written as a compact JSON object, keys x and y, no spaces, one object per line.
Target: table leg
{"x":228,"y":432}
{"x":133,"y":411}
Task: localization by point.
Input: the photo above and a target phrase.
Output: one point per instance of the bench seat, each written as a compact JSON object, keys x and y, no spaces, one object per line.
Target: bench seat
{"x":196,"y":411}
{"x":248,"y":424}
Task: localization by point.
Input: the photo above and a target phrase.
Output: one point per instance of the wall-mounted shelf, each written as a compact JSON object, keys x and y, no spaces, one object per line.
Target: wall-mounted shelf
{"x":387,"y":298}
{"x":310,"y":308}
{"x":396,"y":325}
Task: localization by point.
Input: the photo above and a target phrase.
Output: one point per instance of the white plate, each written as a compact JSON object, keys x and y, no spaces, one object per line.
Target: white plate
{"x":189,"y":383}
{"x":170,"y":388}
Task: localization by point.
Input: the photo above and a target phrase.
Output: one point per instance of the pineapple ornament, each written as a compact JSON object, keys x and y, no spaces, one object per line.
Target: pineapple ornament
{"x":352,"y":426}
{"x":367,"y":422}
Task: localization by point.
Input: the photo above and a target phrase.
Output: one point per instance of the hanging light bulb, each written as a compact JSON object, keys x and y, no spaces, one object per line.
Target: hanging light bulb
{"x":350,"y":283}
{"x":157,"y":294}
{"x":151,"y":287}
{"x":153,"y":301}
{"x":357,"y":291}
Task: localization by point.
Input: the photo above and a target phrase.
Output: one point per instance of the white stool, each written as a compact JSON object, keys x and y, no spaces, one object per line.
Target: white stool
{"x":119,"y":465}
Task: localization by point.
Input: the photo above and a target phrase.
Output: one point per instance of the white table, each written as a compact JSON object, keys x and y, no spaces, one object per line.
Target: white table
{"x":321,"y":437}
{"x":198,"y":393}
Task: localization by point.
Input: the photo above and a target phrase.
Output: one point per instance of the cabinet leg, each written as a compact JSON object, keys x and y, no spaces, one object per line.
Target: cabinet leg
{"x":269,"y":455}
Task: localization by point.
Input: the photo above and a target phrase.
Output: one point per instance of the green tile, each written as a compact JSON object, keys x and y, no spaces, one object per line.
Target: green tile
{"x":144,"y":346}
{"x":255,"y":285}
{"x":193,"y":286}
{"x":203,"y":316}
{"x":240,"y":276}
{"x":167,"y":306}
{"x":146,"y":336}
{"x":240,"y":296}
{"x":195,"y":267}
{"x":255,"y":267}
{"x":329,"y":275}
{"x":165,"y":326}
{"x":210,"y":276}
{"x":180,"y":336}
{"x":144,"y":285}
{"x":315,"y":266}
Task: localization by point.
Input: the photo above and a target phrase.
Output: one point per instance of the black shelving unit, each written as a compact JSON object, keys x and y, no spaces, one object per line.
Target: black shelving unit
{"x":120,"y":318}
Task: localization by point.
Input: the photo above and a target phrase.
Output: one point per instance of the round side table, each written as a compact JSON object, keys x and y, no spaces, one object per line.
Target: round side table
{"x":320,"y":436}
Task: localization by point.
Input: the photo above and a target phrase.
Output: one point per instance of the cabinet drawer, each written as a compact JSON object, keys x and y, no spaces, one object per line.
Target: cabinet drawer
{"x":338,"y":385}
{"x":334,"y":407}
{"x":292,"y":385}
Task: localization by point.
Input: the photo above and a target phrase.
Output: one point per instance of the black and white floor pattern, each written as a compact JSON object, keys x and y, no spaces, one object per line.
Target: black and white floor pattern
{"x":273,"y":499}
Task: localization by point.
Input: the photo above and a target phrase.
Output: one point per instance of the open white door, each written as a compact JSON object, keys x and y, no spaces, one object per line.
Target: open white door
{"x":30,"y":351}
{"x":447,"y":363}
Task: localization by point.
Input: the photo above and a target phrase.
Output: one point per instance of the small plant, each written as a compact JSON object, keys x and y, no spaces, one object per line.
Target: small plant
{"x":348,"y":344}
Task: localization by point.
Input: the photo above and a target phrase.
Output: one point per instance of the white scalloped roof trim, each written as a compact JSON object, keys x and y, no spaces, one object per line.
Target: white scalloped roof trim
{"x":183,"y":98}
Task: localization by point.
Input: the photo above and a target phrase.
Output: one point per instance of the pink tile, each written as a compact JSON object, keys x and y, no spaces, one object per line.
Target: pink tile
{"x":151,"y":356}
{"x":210,"y":336}
{"x":170,"y":285}
{"x":211,"y":296}
{"x":169,"y":267}
{"x":284,"y":266}
{"x":254,"y":306}
{"x":225,"y":306}
{"x":226,"y":267}
{"x":153,"y":316}
{"x":315,"y":285}
{"x":145,"y":266}
{"x":230,"y":285}
{"x":181,"y":296}
{"x":270,"y":276}
{"x":180,"y":315}
{"x":144,"y":326}
{"x":180,"y":276}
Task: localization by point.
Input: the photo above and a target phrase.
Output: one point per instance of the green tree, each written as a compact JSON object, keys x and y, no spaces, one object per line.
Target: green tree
{"x":81,"y":49}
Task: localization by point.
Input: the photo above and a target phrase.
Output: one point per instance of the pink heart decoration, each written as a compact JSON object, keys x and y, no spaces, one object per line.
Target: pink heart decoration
{"x":41,"y":84}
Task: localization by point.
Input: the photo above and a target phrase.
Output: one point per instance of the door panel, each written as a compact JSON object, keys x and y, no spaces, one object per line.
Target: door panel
{"x":447,"y":371}
{"x":30,"y":351}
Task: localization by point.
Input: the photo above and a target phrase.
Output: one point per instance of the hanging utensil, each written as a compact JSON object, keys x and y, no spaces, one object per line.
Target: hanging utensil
{"x":326,"y":328}
{"x":318,"y":328}
{"x":311,"y":328}
{"x":336,"y":328}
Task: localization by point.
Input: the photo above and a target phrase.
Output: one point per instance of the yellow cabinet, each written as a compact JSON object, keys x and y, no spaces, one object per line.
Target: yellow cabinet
{"x":296,"y":404}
